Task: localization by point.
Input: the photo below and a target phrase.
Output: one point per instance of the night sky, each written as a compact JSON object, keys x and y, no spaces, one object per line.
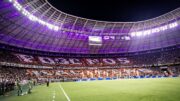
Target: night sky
{"x":116,"y":10}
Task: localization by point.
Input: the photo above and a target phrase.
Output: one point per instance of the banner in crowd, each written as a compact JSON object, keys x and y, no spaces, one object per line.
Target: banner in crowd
{"x":72,"y":61}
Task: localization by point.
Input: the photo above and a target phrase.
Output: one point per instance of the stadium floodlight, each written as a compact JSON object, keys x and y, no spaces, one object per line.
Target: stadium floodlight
{"x":50,"y":26}
{"x":133,"y":34}
{"x":25,"y":12}
{"x":175,"y":24}
{"x":41,"y":22}
{"x":146,"y":32}
{"x":123,"y":38}
{"x":139,"y":33}
{"x":157,"y":30}
{"x":154,"y":30}
{"x":172,"y":25}
{"x":17,"y":5}
{"x":32,"y":17}
{"x":127,"y":38}
{"x":163,"y":28}
{"x":56,"y":28}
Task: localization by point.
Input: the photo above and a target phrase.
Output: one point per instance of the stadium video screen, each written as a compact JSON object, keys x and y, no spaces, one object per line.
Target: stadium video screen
{"x":95,"y":40}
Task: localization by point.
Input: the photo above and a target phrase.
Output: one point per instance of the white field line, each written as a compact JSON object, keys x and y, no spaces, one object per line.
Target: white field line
{"x":64,"y":93}
{"x":54,"y":96}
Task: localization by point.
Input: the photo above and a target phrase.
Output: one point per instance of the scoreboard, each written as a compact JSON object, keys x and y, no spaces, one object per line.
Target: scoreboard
{"x":98,"y":40}
{"x":95,"y":40}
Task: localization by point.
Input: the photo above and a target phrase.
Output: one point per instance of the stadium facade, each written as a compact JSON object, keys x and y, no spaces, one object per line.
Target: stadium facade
{"x":40,"y":42}
{"x":38,"y":26}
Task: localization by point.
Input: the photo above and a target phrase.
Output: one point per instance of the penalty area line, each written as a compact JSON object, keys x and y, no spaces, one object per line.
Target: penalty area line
{"x":67,"y":97}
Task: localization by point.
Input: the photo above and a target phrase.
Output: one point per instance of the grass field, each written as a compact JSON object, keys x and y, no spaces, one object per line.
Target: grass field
{"x":167,"y":89}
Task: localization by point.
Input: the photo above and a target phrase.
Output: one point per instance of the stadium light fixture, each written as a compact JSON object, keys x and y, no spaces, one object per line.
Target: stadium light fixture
{"x":41,"y":22}
{"x":133,"y":34}
{"x":164,"y":28}
{"x":56,"y":28}
{"x":154,"y":30}
{"x":24,"y":12}
{"x":32,"y":17}
{"x":146,"y":32}
{"x":122,"y":38}
{"x":139,"y":33}
{"x":127,"y":38}
{"x":17,"y":6}
{"x":172,"y":25}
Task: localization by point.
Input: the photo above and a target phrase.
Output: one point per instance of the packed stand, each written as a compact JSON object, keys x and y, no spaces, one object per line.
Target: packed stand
{"x":150,"y":59}
{"x":8,"y":78}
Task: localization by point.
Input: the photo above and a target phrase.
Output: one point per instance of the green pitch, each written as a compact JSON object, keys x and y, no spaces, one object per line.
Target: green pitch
{"x":114,"y":90}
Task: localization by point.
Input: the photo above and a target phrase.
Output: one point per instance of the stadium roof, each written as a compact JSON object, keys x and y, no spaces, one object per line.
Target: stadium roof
{"x":116,"y":10}
{"x":36,"y":24}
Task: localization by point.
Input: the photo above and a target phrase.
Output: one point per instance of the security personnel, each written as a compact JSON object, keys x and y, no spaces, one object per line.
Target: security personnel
{"x":19,"y":87}
{"x":0,"y":88}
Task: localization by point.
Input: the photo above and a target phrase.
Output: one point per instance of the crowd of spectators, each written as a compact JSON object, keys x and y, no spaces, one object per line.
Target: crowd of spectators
{"x":154,"y":58}
{"x":107,"y":73}
{"x":8,"y":77}
{"x":157,"y":58}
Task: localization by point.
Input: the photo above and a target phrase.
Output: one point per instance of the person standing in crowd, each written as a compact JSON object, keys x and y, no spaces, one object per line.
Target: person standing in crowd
{"x":3,"y":87}
{"x":30,"y":86}
{"x":19,"y":87}
{"x":0,"y":87}
{"x":48,"y":81}
{"x":34,"y":82}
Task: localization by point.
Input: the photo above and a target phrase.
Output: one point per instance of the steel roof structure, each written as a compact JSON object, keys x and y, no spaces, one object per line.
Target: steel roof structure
{"x":37,"y":25}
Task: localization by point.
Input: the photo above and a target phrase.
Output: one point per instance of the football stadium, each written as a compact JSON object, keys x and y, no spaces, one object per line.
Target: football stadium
{"x":49,"y":55}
